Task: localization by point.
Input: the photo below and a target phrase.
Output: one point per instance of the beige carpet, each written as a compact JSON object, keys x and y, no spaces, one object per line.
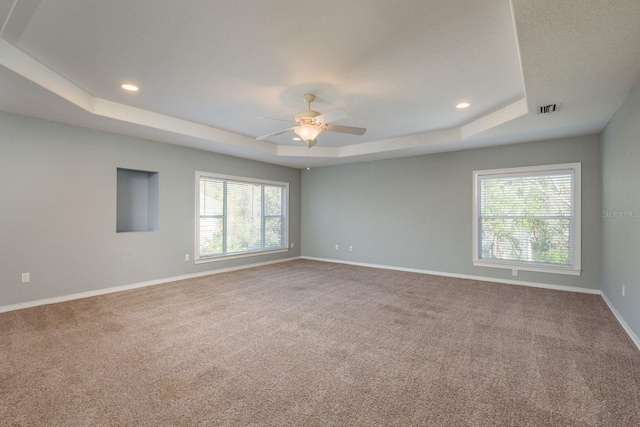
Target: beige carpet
{"x":306,"y":343}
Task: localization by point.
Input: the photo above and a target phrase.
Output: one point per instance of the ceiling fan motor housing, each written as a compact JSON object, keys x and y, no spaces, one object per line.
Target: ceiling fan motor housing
{"x":307,"y":117}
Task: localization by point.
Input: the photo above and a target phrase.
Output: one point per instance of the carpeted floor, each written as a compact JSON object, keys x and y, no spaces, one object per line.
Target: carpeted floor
{"x":306,"y":343}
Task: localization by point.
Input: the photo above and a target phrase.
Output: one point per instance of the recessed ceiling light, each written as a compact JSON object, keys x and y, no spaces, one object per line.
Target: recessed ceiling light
{"x":296,"y":139}
{"x":129,"y":87}
{"x":463,"y":105}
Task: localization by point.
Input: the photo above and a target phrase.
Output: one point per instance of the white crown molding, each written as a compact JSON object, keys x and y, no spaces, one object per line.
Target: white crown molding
{"x":503,"y":115}
{"x":26,"y":66}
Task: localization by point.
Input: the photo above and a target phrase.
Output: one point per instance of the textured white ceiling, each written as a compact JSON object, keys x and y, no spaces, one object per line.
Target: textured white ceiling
{"x":207,"y":69}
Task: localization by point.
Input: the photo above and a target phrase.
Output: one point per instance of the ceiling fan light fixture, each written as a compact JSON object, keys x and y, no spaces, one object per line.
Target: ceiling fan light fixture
{"x":311,"y":123}
{"x":308,"y":132}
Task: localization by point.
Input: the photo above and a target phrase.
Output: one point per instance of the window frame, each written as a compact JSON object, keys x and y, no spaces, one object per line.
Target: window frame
{"x":575,"y":266}
{"x":250,"y":253}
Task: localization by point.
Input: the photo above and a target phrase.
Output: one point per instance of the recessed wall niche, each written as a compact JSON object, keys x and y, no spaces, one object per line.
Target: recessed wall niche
{"x":137,"y":201}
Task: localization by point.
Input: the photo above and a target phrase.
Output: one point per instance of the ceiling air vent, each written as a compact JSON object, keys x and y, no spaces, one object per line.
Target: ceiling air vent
{"x":548,"y":109}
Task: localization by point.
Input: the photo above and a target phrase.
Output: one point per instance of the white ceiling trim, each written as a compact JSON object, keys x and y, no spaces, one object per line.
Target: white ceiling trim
{"x":28,"y":67}
{"x":503,"y":115}
{"x":139,"y":116}
{"x":384,"y":145}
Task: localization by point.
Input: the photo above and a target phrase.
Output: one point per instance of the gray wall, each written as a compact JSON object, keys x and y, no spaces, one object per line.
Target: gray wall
{"x":416,"y":212}
{"x":621,"y":210}
{"x":58,"y":214}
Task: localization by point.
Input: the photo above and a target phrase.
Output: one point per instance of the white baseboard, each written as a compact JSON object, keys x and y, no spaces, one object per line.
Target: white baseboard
{"x":622,"y":322}
{"x":111,"y":290}
{"x":114,"y":289}
{"x":464,"y":276}
{"x":617,"y":315}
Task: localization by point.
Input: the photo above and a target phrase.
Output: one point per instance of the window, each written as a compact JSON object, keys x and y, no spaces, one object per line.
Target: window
{"x":528,"y":218}
{"x":239,"y":216}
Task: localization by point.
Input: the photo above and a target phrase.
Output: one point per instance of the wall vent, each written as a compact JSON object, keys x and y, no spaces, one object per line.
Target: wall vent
{"x":548,"y":109}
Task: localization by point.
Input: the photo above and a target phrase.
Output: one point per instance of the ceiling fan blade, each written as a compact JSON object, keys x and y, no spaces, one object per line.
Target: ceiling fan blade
{"x":332,"y":116}
{"x":345,"y":129}
{"x":271,"y":118}
{"x":275,"y":133}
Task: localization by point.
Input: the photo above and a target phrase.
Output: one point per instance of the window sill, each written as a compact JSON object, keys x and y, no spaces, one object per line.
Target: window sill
{"x":239,"y":255}
{"x":527,"y":267}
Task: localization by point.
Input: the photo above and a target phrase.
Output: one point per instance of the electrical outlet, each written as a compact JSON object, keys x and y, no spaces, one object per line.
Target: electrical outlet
{"x":336,"y":247}
{"x":291,"y":245}
{"x":26,"y":277}
{"x":623,"y":290}
{"x":350,"y":248}
{"x":514,"y":272}
{"x":186,"y":257}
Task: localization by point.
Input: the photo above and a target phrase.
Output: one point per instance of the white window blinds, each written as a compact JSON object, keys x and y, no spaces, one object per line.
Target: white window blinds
{"x":527,"y":216}
{"x":240,"y":216}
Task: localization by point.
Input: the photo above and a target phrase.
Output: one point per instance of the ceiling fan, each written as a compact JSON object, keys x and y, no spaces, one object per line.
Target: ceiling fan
{"x":311,"y":123}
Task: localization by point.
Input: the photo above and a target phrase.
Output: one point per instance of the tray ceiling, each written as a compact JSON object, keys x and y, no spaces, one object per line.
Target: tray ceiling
{"x":207,"y":70}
